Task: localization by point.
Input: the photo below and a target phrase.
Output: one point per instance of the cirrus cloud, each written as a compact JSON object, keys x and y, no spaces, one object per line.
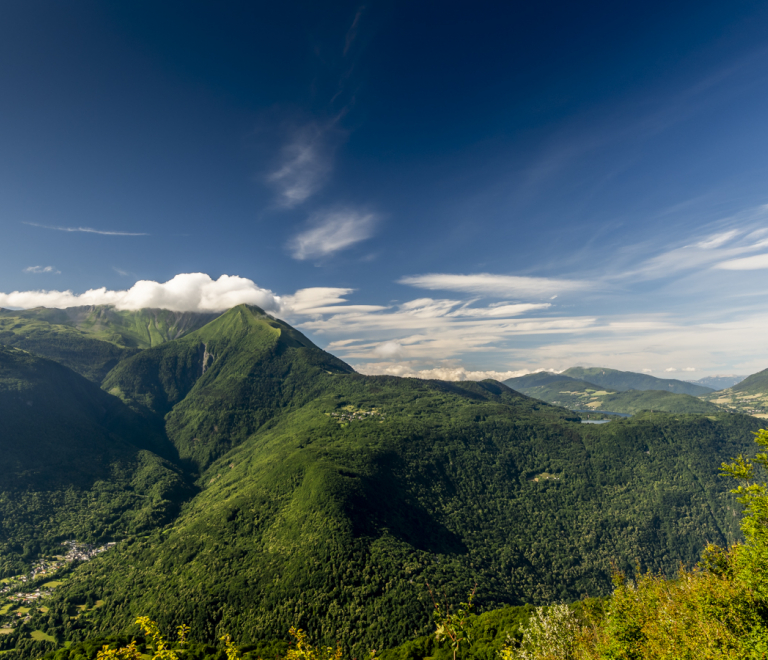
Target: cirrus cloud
{"x":88,"y":230}
{"x":755,"y":262}
{"x":330,"y":232}
{"x":306,"y":161}
{"x":42,"y":269}
{"x":496,"y":285}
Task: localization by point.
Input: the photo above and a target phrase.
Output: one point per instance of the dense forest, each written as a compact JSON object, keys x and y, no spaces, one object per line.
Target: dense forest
{"x":254,"y":482}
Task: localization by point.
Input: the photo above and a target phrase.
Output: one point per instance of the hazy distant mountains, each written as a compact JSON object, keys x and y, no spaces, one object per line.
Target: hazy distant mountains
{"x":719,"y":382}
{"x":621,"y":381}
{"x":254,"y":481}
{"x":580,"y":394}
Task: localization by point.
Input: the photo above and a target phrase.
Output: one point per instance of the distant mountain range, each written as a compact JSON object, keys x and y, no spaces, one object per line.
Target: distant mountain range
{"x":580,"y":395}
{"x":622,"y":381}
{"x":719,"y":382}
{"x":254,"y":481}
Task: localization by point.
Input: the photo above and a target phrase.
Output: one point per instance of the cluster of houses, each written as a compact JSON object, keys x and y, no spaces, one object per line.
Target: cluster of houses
{"x":84,"y":551}
{"x":355,"y":415}
{"x":75,"y":552}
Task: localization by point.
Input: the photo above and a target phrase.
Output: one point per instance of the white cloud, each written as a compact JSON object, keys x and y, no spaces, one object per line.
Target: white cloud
{"x":497,"y":285}
{"x":195,"y":292}
{"x":721,"y":250}
{"x":669,"y":369}
{"x":501,"y":310}
{"x":716,"y":240}
{"x":453,"y":373}
{"x":755,"y":262}
{"x":42,"y":269}
{"x":330,"y":232}
{"x":388,"y":349}
{"x":647,"y":371}
{"x":88,"y":230}
{"x":317,"y":301}
{"x":306,"y":162}
{"x":689,"y":369}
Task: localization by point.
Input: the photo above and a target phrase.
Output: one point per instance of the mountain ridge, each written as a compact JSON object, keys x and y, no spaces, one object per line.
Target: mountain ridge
{"x":629,"y":380}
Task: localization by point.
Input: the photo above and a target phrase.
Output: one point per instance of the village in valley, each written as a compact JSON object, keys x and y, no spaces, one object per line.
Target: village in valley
{"x":351,"y":414}
{"x":21,"y":595}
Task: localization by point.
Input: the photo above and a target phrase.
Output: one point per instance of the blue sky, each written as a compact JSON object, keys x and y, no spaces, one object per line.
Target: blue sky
{"x":444,"y":189}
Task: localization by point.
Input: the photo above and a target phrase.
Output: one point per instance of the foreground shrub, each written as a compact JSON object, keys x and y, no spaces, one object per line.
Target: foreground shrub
{"x":551,"y":634}
{"x":701,"y":614}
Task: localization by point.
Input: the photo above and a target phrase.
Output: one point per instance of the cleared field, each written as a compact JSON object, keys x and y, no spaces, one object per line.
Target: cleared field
{"x":40,"y":636}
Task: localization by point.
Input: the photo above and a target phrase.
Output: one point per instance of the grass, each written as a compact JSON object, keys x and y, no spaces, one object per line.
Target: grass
{"x":53,"y":584}
{"x":40,"y":636}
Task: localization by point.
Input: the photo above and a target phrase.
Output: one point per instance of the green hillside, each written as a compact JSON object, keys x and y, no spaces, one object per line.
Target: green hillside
{"x":328,"y":498}
{"x":92,"y":340}
{"x":221,"y":383}
{"x":141,"y":328}
{"x":633,"y":402}
{"x":538,"y":379}
{"x":750,"y":396}
{"x":754,"y":384}
{"x":620,"y":381}
{"x":581,"y":395}
{"x":77,"y":463}
{"x":90,"y":357}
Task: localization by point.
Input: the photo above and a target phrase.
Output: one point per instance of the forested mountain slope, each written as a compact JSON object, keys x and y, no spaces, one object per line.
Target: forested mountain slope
{"x":328,"y":497}
{"x":621,"y":381}
{"x":92,"y":340}
{"x":77,"y":462}
{"x":142,"y":328}
{"x":86,"y":355}
{"x":221,"y":383}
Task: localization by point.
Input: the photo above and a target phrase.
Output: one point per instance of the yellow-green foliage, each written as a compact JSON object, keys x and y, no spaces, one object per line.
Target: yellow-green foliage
{"x":163,"y":649}
{"x":752,"y":561}
{"x":303,"y":650}
{"x":703,"y":613}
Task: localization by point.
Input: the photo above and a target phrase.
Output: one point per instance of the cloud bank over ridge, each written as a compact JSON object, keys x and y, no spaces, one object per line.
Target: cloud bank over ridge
{"x":187,"y":292}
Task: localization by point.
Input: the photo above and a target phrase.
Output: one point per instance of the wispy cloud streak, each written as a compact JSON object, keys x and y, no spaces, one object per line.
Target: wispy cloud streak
{"x":42,"y":269}
{"x":497,"y":285}
{"x":306,"y":161}
{"x":88,"y":230}
{"x":330,"y":232}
